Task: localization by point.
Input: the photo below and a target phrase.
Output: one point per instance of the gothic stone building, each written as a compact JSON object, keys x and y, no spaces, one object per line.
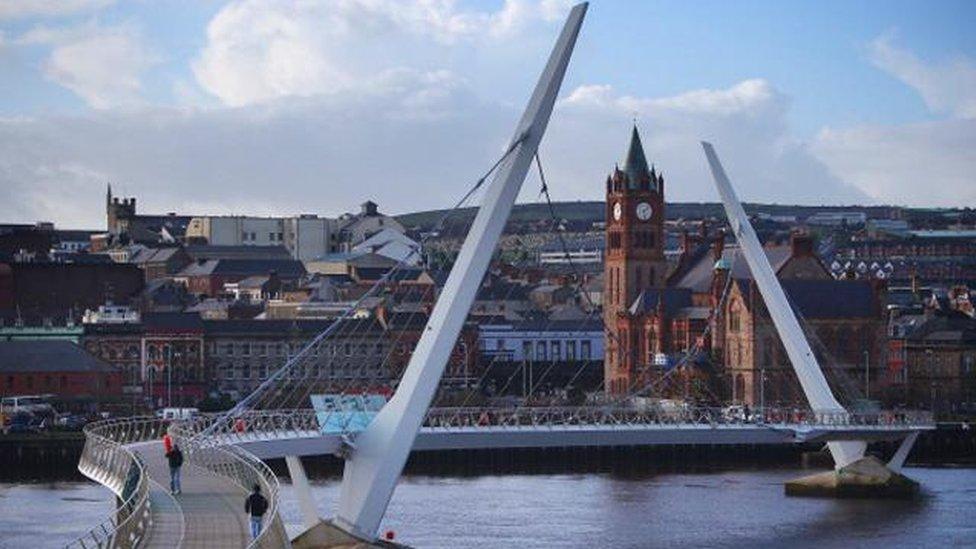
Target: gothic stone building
{"x":644,"y":319}
{"x":656,"y":315}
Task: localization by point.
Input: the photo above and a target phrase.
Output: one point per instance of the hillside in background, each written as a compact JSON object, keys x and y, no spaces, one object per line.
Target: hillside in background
{"x":592,"y":211}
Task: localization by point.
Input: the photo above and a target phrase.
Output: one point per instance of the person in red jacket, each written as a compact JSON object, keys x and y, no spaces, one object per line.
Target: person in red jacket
{"x":167,"y":443}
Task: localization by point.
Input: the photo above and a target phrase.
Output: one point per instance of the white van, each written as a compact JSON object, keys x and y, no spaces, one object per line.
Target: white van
{"x":177,"y":413}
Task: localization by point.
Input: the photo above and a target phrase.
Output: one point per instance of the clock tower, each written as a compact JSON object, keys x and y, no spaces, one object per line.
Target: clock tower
{"x":634,"y":258}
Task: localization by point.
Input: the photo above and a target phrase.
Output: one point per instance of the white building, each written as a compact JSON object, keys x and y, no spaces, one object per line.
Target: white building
{"x":305,"y":236}
{"x":554,"y":340}
{"x":392,"y":244}
{"x":837,"y":219}
{"x":356,"y":228}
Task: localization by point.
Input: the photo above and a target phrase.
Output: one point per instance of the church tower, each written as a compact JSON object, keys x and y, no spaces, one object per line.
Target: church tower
{"x":634,"y":258}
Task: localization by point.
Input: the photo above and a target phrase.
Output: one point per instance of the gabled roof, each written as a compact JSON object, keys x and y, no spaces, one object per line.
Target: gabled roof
{"x":826,"y":298}
{"x":674,"y":299}
{"x":697,"y":274}
{"x":48,"y":356}
{"x":285,"y":268}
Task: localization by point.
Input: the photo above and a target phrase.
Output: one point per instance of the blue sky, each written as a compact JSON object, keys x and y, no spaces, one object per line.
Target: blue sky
{"x":840,"y":92}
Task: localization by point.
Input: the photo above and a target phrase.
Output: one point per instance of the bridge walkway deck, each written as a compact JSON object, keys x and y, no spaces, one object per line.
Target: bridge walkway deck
{"x":208,"y":513}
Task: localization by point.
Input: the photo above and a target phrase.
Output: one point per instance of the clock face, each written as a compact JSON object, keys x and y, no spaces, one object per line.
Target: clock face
{"x":618,"y":210}
{"x":644,"y":211}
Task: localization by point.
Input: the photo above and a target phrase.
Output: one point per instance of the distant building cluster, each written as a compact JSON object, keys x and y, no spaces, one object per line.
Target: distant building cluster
{"x":635,"y":298}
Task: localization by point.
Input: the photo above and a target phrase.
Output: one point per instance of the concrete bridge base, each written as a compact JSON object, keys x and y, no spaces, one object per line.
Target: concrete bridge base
{"x":327,"y":535}
{"x":867,"y":477}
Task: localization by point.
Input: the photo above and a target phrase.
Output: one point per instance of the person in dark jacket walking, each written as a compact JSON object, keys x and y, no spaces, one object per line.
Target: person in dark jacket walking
{"x":175,"y":457}
{"x":256,"y":505}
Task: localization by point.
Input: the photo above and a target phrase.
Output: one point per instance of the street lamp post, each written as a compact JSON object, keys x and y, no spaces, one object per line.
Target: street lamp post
{"x":762,"y":391}
{"x":867,"y":374}
{"x":169,"y":375}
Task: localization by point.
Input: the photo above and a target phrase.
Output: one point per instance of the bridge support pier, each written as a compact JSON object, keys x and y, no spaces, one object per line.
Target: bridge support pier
{"x":303,"y":492}
{"x":867,"y":477}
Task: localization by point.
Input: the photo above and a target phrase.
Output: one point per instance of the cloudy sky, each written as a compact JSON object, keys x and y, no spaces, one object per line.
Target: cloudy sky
{"x":274,"y":107}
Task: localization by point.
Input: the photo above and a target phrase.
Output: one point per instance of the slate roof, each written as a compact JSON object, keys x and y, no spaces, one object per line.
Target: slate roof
{"x":815,"y":298}
{"x":275,"y":327}
{"x":48,"y":356}
{"x":285,"y":268}
{"x":593,"y":324}
{"x":209,"y":251}
{"x":172,"y":322}
{"x":953,"y":327}
{"x":697,"y":275}
{"x":147,"y":255}
{"x":674,"y":300}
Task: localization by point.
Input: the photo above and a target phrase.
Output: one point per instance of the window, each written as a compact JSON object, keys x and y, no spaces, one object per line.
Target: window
{"x":615,"y":241}
{"x":526,"y":350}
{"x":245,"y":349}
{"x":271,"y":237}
{"x":571,"y":350}
{"x":556,"y":349}
{"x":280,"y":237}
{"x":254,"y":237}
{"x":585,"y":349}
{"x":243,"y":236}
{"x":540,"y":350}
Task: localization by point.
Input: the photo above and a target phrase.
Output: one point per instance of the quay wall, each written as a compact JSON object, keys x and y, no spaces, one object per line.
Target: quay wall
{"x":54,"y":456}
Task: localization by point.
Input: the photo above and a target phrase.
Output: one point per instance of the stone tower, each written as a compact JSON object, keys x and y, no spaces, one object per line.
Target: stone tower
{"x":118,"y":213}
{"x":634,"y":251}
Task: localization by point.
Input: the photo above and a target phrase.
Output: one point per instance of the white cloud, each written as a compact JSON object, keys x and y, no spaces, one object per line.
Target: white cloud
{"x":415,"y":141}
{"x":929,"y":163}
{"x":746,"y":122}
{"x":103,"y":65}
{"x":263,"y":50}
{"x":14,"y":9}
{"x":946,"y":87}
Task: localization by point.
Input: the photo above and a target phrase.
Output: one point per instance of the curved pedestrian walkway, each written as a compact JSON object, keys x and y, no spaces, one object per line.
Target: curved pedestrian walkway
{"x":208,"y":513}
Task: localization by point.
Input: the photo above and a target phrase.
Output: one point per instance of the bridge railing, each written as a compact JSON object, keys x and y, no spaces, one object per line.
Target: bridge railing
{"x":255,"y":424}
{"x":447,"y":418}
{"x":213,"y":453}
{"x":106,"y":460}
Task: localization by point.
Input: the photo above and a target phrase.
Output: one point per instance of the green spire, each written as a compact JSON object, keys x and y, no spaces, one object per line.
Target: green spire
{"x":635,"y":165}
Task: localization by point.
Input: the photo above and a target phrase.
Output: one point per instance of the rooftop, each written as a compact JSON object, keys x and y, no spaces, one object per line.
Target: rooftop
{"x":47,"y":356}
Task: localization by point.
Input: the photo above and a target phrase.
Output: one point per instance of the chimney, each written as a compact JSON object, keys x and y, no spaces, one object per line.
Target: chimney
{"x":685,"y":246}
{"x":718,"y":246}
{"x":801,"y":245}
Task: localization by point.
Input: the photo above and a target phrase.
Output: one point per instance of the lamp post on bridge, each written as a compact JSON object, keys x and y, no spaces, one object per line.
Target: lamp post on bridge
{"x":867,"y":374}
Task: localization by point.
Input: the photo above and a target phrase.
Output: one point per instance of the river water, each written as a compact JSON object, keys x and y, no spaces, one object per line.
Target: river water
{"x":716,"y":509}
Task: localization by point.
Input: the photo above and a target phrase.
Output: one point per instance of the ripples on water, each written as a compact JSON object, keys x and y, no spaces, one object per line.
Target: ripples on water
{"x":718,"y":509}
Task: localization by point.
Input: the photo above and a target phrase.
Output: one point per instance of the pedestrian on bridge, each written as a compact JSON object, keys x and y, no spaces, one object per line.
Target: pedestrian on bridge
{"x":256,"y":505}
{"x":175,"y":457}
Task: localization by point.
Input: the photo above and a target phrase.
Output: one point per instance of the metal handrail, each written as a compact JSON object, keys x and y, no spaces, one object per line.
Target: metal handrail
{"x":238,"y":466}
{"x":106,"y":460}
{"x":252,"y":425}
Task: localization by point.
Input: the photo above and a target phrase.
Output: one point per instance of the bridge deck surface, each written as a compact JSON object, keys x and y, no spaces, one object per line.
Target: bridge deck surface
{"x":208,"y":513}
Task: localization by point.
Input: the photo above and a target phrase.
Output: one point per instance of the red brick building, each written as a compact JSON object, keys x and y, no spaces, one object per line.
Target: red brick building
{"x":56,"y":367}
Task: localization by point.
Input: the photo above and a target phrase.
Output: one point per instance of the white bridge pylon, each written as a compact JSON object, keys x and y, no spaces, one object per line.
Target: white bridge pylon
{"x":377,"y":455}
{"x":797,"y":347}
